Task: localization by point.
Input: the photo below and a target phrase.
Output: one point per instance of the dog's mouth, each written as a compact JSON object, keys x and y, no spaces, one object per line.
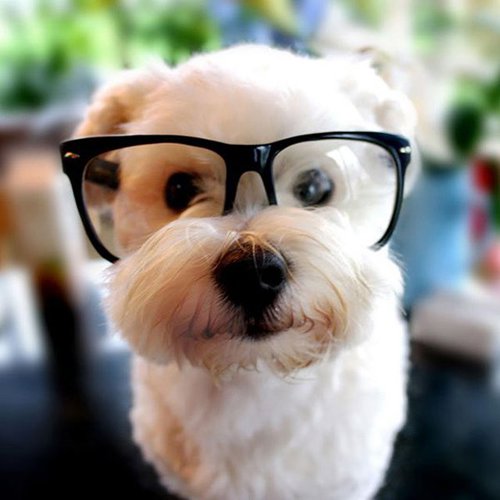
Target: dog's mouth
{"x":271,"y":322}
{"x":249,"y":328}
{"x":259,"y":329}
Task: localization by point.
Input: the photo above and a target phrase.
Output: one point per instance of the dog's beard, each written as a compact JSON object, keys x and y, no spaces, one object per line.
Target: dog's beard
{"x":166,"y":303}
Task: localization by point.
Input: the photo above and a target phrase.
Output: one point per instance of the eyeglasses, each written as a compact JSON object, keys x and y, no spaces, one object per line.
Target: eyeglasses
{"x":128,"y":186}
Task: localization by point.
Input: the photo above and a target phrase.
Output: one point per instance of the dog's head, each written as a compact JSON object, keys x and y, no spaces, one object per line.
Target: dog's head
{"x":284,"y":284}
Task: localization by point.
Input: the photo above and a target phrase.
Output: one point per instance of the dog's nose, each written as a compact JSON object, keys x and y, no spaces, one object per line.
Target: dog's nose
{"x":251,"y":278}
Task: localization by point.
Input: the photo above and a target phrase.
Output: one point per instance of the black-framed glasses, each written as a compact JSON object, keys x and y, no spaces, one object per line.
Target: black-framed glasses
{"x":128,"y":186}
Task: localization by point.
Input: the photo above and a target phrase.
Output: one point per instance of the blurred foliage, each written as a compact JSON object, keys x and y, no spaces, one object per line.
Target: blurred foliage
{"x":464,"y":37}
{"x":54,"y":49}
{"x":467,"y":121}
{"x":279,"y":13}
{"x":464,"y":128}
{"x":173,"y":33}
{"x":459,"y":44}
{"x":370,"y":12}
{"x":430,"y":23}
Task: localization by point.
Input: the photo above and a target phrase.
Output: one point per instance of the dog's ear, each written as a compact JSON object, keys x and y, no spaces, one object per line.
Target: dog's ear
{"x":397,"y":114}
{"x":113,"y":107}
{"x":395,"y":111}
{"x":117,"y":103}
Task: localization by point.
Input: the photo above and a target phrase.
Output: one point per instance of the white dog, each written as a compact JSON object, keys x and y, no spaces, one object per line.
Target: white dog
{"x":270,"y":358}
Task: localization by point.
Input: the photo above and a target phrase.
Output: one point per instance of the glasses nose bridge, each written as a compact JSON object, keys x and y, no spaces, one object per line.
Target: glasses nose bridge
{"x":242,"y":159}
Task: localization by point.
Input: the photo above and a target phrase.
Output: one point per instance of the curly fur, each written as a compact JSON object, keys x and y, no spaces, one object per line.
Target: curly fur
{"x":312,"y":409}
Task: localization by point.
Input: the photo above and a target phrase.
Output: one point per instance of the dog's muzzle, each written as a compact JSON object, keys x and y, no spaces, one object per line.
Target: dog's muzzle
{"x":251,"y":278}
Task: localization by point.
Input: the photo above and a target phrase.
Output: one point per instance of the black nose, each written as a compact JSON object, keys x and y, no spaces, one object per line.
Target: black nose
{"x":251,"y":278}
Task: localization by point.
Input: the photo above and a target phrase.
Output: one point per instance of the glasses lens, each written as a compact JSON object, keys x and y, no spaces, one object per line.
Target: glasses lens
{"x":355,"y":177}
{"x":132,"y":192}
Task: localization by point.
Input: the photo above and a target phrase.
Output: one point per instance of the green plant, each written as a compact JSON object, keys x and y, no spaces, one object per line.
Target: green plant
{"x":476,"y":103}
{"x":173,"y":32}
{"x":57,"y":49}
{"x":41,"y":50}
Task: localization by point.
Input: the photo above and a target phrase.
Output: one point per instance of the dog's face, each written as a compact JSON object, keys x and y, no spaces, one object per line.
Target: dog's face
{"x":280,"y":285}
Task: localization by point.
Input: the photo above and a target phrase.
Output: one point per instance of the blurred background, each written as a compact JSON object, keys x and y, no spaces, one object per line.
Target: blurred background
{"x":64,"y":390}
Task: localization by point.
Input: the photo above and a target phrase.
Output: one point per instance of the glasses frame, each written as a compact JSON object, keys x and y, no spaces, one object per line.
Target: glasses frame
{"x":238,"y":159}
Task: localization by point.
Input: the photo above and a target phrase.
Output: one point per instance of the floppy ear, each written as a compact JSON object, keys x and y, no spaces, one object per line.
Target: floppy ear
{"x":380,"y":98}
{"x":395,"y":111}
{"x":117,"y":103}
{"x":397,"y":114}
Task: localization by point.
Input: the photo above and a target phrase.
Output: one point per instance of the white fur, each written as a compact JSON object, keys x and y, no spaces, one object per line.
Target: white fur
{"x":325,"y":433}
{"x":312,"y":409}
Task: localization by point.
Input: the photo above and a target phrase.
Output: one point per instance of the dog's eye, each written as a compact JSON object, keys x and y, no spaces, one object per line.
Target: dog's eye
{"x":313,"y":187}
{"x":181,"y":188}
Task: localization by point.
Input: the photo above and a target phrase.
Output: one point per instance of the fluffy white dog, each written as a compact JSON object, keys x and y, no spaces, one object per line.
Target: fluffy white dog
{"x":270,"y":357}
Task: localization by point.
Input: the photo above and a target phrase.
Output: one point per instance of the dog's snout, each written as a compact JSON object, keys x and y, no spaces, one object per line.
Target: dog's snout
{"x":251,"y":278}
